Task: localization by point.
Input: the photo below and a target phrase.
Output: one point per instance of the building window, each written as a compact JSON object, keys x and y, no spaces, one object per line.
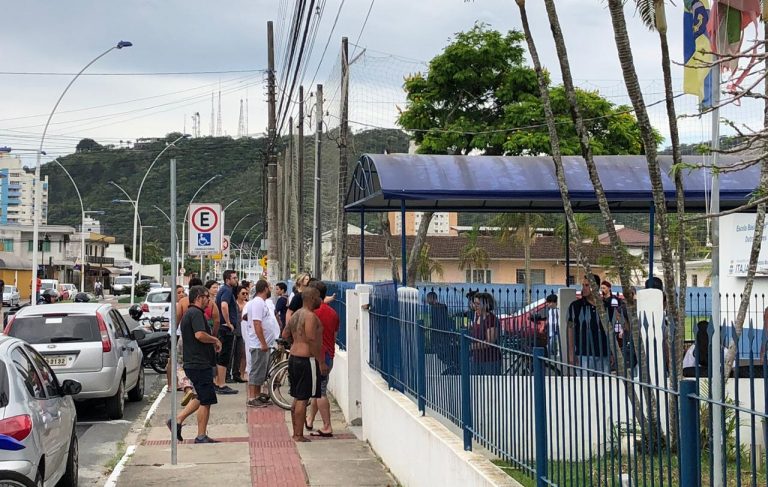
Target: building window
{"x":479,"y":275}
{"x":538,"y":276}
{"x":6,"y":245}
{"x":46,"y":246}
{"x":694,"y":280}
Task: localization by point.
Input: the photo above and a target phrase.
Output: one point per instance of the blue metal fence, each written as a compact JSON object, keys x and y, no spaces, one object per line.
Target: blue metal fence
{"x":338,"y":289}
{"x":615,"y":412}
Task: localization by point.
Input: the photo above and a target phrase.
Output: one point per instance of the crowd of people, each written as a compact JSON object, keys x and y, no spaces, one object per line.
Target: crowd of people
{"x":588,"y":347}
{"x":226,"y":334}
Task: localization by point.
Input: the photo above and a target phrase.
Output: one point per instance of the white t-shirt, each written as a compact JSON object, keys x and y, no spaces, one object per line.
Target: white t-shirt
{"x":258,"y":310}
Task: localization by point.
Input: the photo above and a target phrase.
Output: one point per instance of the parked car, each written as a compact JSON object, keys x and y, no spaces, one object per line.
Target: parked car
{"x":87,"y":342}
{"x":38,"y":414}
{"x":67,"y":291}
{"x":122,"y":285}
{"x":49,"y":284}
{"x":155,"y":285}
{"x":11,"y":296}
{"x":157,"y":303}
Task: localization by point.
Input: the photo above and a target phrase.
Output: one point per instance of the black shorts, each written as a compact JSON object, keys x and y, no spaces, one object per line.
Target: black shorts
{"x":227,"y":345}
{"x":202,"y":380}
{"x":304,"y":376}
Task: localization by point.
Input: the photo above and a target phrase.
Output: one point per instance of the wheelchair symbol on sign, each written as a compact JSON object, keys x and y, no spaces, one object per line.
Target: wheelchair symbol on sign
{"x":204,"y":239}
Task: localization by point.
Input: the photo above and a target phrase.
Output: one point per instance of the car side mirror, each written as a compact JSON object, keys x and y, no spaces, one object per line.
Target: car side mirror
{"x":71,"y":387}
{"x":138,"y":334}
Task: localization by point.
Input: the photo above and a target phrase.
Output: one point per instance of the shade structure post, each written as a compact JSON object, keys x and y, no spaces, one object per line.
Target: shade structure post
{"x":651,"y":231}
{"x":404,"y":256}
{"x":362,"y":246}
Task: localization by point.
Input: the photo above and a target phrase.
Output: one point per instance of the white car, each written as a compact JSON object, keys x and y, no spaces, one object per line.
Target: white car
{"x":69,"y":289}
{"x":122,"y":285}
{"x":87,"y":342}
{"x":38,"y":417}
{"x":11,"y":295}
{"x":157,"y":303}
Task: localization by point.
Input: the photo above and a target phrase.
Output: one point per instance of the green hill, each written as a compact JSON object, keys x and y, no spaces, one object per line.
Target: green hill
{"x":239,"y":161}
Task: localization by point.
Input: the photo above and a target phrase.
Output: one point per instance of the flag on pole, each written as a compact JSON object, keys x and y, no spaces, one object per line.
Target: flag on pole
{"x":697,"y":76}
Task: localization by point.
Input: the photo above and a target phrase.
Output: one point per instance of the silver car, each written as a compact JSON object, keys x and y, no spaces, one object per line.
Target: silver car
{"x":38,"y":442}
{"x":11,"y":295}
{"x":87,"y":342}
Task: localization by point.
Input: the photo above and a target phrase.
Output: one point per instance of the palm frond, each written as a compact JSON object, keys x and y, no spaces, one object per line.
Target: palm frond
{"x":646,"y":9}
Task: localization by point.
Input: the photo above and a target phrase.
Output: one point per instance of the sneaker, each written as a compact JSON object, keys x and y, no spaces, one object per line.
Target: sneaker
{"x":255,"y":403}
{"x":178,"y":429}
{"x":263,"y":398}
{"x":205,"y":439}
{"x":188,"y":397}
{"x":225,"y":390}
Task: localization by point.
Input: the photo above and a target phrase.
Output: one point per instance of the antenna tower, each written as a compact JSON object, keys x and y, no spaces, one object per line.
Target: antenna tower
{"x":241,"y":122}
{"x":212,"y":113}
{"x":246,"y":117}
{"x":218,"y":118}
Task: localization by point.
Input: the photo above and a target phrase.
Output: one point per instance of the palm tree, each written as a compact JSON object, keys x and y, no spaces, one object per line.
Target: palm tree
{"x":473,"y":255}
{"x":588,"y":231}
{"x":520,"y":228}
{"x":426,"y":266}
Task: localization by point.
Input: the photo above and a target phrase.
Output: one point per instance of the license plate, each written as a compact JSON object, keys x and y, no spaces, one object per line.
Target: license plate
{"x":56,"y":360}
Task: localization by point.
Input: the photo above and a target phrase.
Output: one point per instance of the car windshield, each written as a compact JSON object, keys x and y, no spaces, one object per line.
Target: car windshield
{"x":161,"y":297}
{"x":123,"y":280}
{"x":9,"y":289}
{"x":47,"y":285}
{"x":56,"y":329}
{"x":3,"y":385}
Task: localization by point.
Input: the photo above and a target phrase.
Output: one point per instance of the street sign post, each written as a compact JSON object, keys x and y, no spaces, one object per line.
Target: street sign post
{"x":205,"y":228}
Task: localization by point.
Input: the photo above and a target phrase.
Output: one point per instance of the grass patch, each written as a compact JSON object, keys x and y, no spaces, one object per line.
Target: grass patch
{"x":127,"y":299}
{"x":112,"y":462}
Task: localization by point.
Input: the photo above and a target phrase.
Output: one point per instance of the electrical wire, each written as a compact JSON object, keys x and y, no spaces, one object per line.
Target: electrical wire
{"x":164,"y":73}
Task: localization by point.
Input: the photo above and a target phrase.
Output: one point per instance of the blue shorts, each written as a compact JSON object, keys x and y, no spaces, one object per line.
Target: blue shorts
{"x":202,"y":381}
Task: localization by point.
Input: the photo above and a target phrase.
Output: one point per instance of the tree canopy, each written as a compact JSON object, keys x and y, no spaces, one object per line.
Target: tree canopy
{"x":480,"y":95}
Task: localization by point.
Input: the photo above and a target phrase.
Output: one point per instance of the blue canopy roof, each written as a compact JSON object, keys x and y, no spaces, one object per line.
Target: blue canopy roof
{"x":496,"y":183}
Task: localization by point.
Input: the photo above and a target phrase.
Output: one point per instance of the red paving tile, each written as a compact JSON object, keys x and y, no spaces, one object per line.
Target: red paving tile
{"x":275,"y":460}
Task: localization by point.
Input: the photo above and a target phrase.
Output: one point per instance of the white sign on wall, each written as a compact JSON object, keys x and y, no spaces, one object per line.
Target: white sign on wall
{"x":205,"y":224}
{"x":736,"y":234}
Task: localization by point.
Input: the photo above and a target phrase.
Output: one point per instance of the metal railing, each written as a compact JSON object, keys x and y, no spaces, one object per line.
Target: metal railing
{"x":610,"y":410}
{"x":339,"y":304}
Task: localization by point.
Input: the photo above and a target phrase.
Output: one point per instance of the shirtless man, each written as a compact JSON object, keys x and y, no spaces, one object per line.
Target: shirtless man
{"x":306,"y":364}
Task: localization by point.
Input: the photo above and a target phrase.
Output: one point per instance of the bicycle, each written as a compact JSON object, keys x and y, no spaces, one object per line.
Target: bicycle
{"x":277,"y":375}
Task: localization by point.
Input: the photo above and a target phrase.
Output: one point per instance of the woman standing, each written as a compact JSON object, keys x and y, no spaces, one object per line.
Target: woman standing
{"x":486,"y":356}
{"x":239,"y":361}
{"x":295,"y":302}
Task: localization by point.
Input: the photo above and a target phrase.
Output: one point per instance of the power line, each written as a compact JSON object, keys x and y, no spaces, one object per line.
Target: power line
{"x":327,"y":43}
{"x":159,"y":73}
{"x":365,"y":22}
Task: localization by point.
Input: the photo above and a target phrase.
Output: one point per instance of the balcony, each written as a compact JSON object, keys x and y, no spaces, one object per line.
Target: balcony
{"x":95,"y":259}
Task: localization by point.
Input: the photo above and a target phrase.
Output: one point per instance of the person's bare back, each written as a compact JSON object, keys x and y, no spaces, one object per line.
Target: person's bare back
{"x":297,"y":328}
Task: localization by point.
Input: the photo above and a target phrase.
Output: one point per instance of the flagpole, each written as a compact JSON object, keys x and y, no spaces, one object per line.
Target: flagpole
{"x":716,"y":342}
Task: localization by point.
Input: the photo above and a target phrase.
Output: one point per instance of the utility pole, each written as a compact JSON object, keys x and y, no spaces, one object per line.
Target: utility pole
{"x":300,"y":187}
{"x":340,"y":239}
{"x":287,"y":227}
{"x":317,"y":249}
{"x":271,"y":230}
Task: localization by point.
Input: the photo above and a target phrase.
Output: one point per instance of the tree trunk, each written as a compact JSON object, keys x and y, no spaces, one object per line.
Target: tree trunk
{"x":616,"y":245}
{"x":418,"y":243}
{"x":388,"y":246}
{"x":621,"y":37}
{"x":756,"y":241}
{"x":676,"y":333}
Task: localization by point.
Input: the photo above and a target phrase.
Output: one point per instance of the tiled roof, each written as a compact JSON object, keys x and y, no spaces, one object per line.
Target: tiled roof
{"x":628,"y":236}
{"x":450,"y":247}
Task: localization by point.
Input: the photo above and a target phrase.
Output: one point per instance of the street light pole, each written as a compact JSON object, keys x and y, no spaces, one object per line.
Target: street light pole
{"x":36,"y":210}
{"x":141,"y":244}
{"x":82,"y":226}
{"x":232,"y":233}
{"x":184,"y":221}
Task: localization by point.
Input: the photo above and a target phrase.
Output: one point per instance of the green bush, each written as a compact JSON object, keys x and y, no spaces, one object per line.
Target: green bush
{"x":142,"y":289}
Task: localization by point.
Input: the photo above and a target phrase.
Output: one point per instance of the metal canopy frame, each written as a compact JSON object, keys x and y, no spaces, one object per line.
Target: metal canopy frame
{"x":494,"y":184}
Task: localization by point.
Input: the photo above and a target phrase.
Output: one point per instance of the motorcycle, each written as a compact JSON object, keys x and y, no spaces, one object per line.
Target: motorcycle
{"x":156,"y":347}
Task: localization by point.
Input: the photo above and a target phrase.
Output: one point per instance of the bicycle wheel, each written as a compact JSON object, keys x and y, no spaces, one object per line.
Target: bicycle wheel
{"x":279,"y":386}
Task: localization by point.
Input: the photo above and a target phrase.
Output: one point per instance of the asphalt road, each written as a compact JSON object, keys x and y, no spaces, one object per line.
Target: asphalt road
{"x":100,"y":438}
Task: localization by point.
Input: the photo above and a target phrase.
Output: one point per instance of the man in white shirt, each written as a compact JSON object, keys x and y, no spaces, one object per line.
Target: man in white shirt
{"x":261,"y":333}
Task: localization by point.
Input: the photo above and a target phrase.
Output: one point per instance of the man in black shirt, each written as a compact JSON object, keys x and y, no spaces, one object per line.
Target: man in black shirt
{"x":200,"y":349}
{"x":281,"y":306}
{"x":589,"y":345}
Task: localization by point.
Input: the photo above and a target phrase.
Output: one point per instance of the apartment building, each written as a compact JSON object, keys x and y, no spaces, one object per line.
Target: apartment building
{"x":17,"y":192}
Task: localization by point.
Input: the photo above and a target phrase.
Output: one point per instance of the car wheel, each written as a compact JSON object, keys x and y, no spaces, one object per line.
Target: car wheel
{"x":137,"y":393}
{"x":15,"y":479}
{"x":116,"y":404}
{"x":70,"y":475}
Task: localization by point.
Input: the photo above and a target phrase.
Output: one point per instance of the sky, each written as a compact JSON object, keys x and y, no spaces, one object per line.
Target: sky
{"x":221,"y":46}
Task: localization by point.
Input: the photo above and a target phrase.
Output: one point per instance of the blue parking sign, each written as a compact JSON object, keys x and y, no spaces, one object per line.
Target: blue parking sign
{"x":204,"y":239}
